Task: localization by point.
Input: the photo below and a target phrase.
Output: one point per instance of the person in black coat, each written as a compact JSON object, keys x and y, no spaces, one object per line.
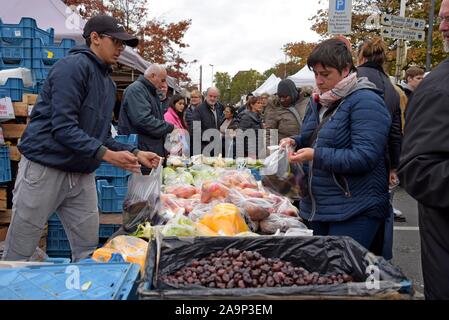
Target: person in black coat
{"x":424,"y":169}
{"x":251,"y":120}
{"x":372,"y":57}
{"x":209,"y":115}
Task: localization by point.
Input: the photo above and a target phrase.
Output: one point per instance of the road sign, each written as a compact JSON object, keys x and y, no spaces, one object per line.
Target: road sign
{"x":402,"y":22}
{"x":401,"y":33}
{"x":340,"y":15}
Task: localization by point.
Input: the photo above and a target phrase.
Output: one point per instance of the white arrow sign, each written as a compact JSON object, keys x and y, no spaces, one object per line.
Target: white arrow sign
{"x":400,"y":33}
{"x":402,"y":22}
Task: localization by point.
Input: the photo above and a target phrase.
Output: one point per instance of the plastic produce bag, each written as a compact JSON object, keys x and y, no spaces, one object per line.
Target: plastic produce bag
{"x":176,"y":143}
{"x":283,"y":177}
{"x":279,"y":222}
{"x":132,"y":249}
{"x":181,"y":191}
{"x":142,"y":201}
{"x":213,"y":191}
{"x":255,"y":208}
{"x":239,"y":178}
{"x":179,"y":226}
{"x":225,"y":219}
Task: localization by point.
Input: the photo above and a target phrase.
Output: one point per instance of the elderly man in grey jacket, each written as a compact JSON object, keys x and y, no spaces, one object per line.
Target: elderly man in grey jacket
{"x":142,"y":113}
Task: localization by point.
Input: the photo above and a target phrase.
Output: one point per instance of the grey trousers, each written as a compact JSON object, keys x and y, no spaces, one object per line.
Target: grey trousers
{"x":40,"y":191}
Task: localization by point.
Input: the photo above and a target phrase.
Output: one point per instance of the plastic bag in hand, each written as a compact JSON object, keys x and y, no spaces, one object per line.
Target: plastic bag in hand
{"x":142,"y":201}
{"x":282,"y":177}
{"x":176,"y":143}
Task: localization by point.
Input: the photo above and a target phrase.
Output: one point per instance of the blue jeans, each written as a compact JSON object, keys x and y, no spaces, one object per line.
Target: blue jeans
{"x":361,"y":228}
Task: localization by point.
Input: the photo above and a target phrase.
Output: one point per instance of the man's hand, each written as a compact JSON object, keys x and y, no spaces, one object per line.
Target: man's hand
{"x":394,"y":180}
{"x":302,"y":155}
{"x":122,"y":159}
{"x":287,"y":142}
{"x":148,"y":159}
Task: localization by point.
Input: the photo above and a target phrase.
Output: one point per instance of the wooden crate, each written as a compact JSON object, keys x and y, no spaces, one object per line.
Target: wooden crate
{"x":12,"y":130}
{"x":20,"y":109}
{"x":14,"y":153}
{"x":29,"y":98}
{"x":3,"y":194}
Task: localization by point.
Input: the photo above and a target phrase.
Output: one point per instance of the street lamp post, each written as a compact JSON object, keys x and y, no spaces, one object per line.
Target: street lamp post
{"x":212,"y":74}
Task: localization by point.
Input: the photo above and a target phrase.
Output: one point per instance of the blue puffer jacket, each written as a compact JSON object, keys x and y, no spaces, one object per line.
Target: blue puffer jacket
{"x":347,"y":176}
{"x":72,"y":116}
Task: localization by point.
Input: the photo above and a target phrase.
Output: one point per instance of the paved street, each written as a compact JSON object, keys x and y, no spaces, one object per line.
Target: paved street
{"x":406,"y":251}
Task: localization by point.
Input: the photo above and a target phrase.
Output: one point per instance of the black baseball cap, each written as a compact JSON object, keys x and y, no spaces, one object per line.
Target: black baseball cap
{"x":109,"y":26}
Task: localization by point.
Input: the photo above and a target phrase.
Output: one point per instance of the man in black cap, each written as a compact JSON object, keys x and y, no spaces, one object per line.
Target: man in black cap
{"x":68,"y":136}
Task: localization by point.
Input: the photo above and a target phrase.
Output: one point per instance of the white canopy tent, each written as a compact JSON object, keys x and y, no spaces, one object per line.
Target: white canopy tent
{"x":270,"y":86}
{"x":66,"y":23}
{"x":303,"y":78}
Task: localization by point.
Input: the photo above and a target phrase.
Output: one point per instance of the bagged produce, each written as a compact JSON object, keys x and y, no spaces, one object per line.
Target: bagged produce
{"x":179,"y":226}
{"x":178,"y":177}
{"x":132,"y":249}
{"x":225,"y":219}
{"x":282,"y":177}
{"x":279,"y":222}
{"x":204,"y":231}
{"x":181,"y":191}
{"x":213,"y":191}
{"x":239,"y":178}
{"x":142,"y":201}
{"x":256,"y":208}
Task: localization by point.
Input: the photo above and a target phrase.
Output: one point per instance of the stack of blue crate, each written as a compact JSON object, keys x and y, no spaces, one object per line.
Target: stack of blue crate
{"x":112,"y":182}
{"x":24,"y":45}
{"x":57,"y":243}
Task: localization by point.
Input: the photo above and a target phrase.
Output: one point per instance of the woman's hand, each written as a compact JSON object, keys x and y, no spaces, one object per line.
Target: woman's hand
{"x":302,"y":155}
{"x":287,"y":142}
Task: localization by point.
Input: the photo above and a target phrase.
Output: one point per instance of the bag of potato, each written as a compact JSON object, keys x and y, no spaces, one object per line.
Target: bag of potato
{"x":255,"y":208}
{"x":225,"y":219}
{"x":132,"y":249}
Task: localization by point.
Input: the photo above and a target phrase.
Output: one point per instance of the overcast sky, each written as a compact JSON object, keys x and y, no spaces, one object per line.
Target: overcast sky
{"x":238,"y":35}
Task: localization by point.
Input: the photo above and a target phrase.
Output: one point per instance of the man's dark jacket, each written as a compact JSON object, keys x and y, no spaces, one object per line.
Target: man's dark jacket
{"x":70,"y":125}
{"x":204,"y":114}
{"x":141,"y":113}
{"x":424,"y":173}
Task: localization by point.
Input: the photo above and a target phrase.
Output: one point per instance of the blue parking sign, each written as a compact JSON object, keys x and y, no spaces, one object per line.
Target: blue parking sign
{"x":340,"y":5}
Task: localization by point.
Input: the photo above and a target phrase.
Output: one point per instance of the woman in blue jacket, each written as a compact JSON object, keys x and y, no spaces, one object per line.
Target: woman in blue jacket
{"x":342,"y":148}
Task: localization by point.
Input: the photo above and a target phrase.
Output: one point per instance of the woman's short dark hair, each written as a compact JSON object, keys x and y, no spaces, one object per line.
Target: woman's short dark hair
{"x":331,"y":53}
{"x":231,"y":109}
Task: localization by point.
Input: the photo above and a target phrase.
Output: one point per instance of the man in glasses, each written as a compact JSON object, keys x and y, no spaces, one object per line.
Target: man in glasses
{"x":68,"y":136}
{"x":424,"y":167}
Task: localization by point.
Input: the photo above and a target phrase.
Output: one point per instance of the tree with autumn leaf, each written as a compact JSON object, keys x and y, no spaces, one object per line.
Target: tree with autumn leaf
{"x":159,"y":42}
{"x":361,"y":30}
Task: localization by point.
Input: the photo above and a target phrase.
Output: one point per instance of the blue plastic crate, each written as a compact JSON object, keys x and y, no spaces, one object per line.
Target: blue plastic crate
{"x":16,"y":55}
{"x":25,"y":29}
{"x":5,"y":165}
{"x":107,"y":281}
{"x":107,"y":170}
{"x":57,"y":243}
{"x":14,"y":89}
{"x":49,"y":54}
{"x":110,"y":198}
{"x":256,"y":174}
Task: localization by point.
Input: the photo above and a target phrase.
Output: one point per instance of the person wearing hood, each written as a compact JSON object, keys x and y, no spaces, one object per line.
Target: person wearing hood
{"x":68,"y":136}
{"x":251,"y":120}
{"x":371,"y":58}
{"x":342,"y":149}
{"x":286,"y":113}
